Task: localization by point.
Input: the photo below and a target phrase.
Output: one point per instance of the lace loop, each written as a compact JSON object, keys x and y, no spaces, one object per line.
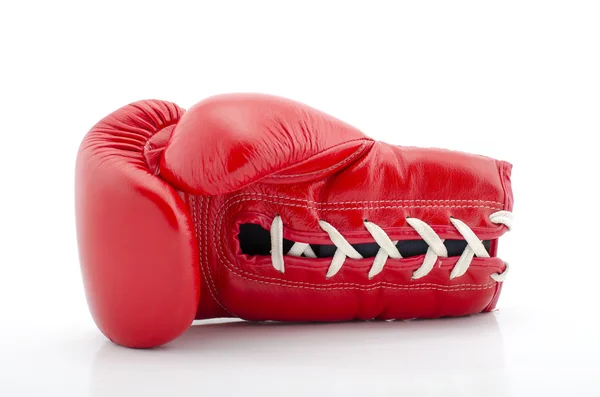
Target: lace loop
{"x":388,"y":249}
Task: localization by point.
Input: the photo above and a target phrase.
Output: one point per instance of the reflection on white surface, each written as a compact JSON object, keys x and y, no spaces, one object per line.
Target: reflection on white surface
{"x":506,"y":353}
{"x":452,"y":355}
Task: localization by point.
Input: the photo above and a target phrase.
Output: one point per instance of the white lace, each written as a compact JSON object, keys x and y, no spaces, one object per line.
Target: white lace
{"x":387,"y":247}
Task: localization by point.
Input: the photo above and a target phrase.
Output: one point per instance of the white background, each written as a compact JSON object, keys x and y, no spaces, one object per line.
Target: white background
{"x":518,"y":81}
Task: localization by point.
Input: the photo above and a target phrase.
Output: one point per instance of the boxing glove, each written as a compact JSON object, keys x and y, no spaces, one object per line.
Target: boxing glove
{"x":262,"y":208}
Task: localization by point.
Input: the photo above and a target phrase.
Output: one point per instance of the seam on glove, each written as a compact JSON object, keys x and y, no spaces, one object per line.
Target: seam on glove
{"x":504,"y":179}
{"x":334,"y":203}
{"x":204,"y":243}
{"x":437,"y":287}
{"x":336,"y":165}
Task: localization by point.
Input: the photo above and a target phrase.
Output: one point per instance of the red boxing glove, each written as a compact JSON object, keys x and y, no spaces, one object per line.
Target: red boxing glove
{"x":263,"y":208}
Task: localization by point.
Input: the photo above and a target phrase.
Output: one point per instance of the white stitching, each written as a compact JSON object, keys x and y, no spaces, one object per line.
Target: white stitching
{"x":338,"y":164}
{"x":334,"y":203}
{"x":373,"y":207}
{"x":435,"y":287}
{"x":205,"y":235}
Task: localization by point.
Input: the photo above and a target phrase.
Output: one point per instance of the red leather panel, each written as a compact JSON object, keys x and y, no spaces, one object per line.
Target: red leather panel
{"x":234,"y":278}
{"x":138,"y":251}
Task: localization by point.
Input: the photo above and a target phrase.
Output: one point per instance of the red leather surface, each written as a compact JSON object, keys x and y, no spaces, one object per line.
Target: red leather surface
{"x":246,"y":158}
{"x":239,"y":139}
{"x":137,"y":248}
